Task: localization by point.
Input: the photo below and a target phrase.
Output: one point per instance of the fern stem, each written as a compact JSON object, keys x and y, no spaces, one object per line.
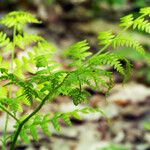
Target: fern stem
{"x":9,"y":113}
{"x":12,"y":146}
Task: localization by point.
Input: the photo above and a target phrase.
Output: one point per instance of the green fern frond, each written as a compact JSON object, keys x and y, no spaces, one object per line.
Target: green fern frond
{"x":13,"y":104}
{"x":142,"y":24}
{"x":105,"y":37}
{"x":66,"y":117}
{"x":127,"y":41}
{"x":33,"y":125}
{"x":46,"y":58}
{"x":78,"y":52}
{"x":18,"y":19}
{"x":28,"y":89}
{"x":127,"y":21}
{"x":45,"y":125}
{"x":145,"y":11}
{"x":78,"y":96}
{"x":108,"y":59}
{"x":44,"y":47}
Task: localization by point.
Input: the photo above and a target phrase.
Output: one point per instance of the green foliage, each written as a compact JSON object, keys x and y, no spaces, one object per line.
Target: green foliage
{"x":47,"y":79}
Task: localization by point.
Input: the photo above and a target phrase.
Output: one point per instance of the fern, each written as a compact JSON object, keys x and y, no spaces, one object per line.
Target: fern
{"x":39,"y":78}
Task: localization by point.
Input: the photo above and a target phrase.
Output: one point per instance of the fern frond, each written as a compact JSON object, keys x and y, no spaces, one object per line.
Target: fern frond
{"x":45,"y":125}
{"x":45,"y":60}
{"x":145,"y":11}
{"x":127,"y":41}
{"x":18,"y":19}
{"x":39,"y":121}
{"x":108,"y":59}
{"x":28,"y":89}
{"x":105,"y":37}
{"x":33,"y":132}
{"x":78,"y":96}
{"x":13,"y":104}
{"x":76,"y":114}
{"x":127,"y":21}
{"x":142,"y":24}
{"x":78,"y":52}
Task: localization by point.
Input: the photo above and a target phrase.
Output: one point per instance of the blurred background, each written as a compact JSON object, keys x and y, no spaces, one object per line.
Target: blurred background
{"x":128,"y":107}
